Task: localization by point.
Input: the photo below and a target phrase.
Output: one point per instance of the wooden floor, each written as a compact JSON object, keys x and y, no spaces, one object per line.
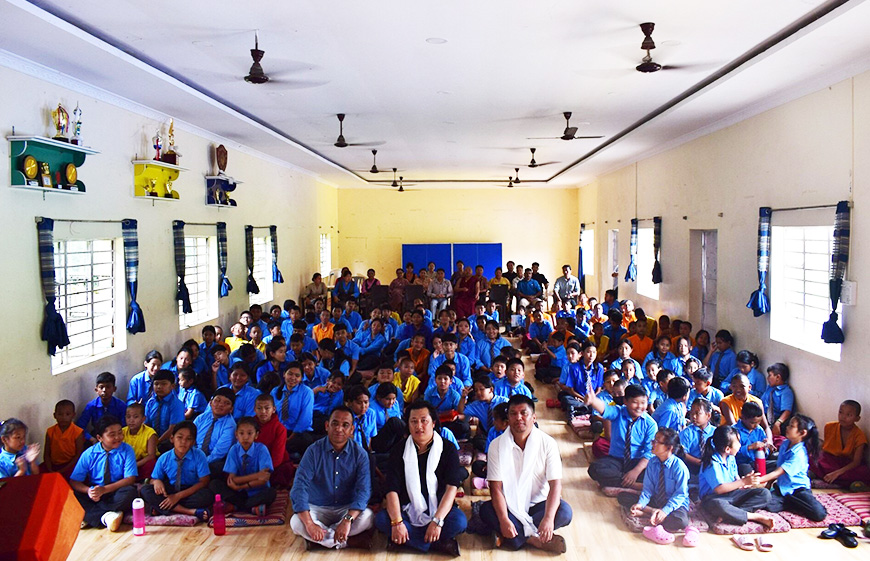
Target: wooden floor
{"x":596,"y":531}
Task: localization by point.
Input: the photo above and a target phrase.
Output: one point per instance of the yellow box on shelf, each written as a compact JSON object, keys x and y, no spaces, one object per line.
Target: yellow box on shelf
{"x":153,"y":180}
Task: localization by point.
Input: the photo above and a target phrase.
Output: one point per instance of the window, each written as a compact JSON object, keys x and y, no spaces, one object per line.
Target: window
{"x":799,"y":298}
{"x":645,"y":261}
{"x":325,"y":255}
{"x":587,"y":242}
{"x":90,"y":299}
{"x":201,"y":278}
{"x":262,"y":270}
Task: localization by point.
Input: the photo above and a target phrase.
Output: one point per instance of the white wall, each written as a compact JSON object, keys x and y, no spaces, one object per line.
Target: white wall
{"x":799,"y":154}
{"x":271,"y":194}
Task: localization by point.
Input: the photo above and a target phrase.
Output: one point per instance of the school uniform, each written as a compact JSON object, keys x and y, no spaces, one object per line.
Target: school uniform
{"x":352,"y":320}
{"x":206,"y":353}
{"x":370,"y":350}
{"x":667,"y":360}
{"x":630,"y":442}
{"x":655,"y":394}
{"x":100,"y":467}
{"x":192,"y":398}
{"x":666,"y":487}
{"x":222,"y":376}
{"x":160,"y":414}
{"x":714,"y":396}
{"x":504,"y":389}
{"x":693,"y":439}
{"x":95,"y":410}
{"x":482,"y":411}
{"x":746,"y":457}
{"x":671,"y":414}
{"x":296,"y":412}
{"x":215,"y":436}
{"x":365,"y":428}
{"x":614,"y":333}
{"x":400,"y":397}
{"x":792,"y":489}
{"x":699,"y":352}
{"x":468,"y":347}
{"x":722,"y":363}
{"x":777,"y":399}
{"x":449,"y":401}
{"x":241,"y":462}
{"x":318,"y":378}
{"x":140,"y":390}
{"x":350,"y":349}
{"x":269,"y":366}
{"x":245,"y":398}
{"x":553,"y":370}
{"x":179,"y":474}
{"x":756,"y":378}
{"x":325,"y":402}
{"x":638,"y":371}
{"x":7,"y":463}
{"x":488,"y":350}
{"x":575,"y":376}
{"x":235,"y":356}
{"x":731,"y":507}
{"x":461,"y":378}
{"x":381,"y":413}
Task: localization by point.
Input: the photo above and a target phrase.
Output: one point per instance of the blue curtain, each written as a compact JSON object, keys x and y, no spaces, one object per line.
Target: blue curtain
{"x":831,"y":332}
{"x":249,"y":259}
{"x":276,"y":274}
{"x":581,"y":275}
{"x":136,"y":319}
{"x":758,"y":302}
{"x":631,"y":272}
{"x":53,"y":328}
{"x":224,"y":282}
{"x":180,"y":256}
{"x":657,"y":249}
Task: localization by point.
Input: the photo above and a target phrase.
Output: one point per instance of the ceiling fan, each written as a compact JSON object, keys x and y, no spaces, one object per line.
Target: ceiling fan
{"x":374,"y":168}
{"x":534,"y":164}
{"x":400,"y":184}
{"x":341,"y":143}
{"x":568,"y":134}
{"x":647,"y":65}
{"x":256,"y":74}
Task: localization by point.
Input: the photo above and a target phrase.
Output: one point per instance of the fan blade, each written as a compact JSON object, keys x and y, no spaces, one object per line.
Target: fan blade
{"x":543,"y":138}
{"x":537,"y":165}
{"x":375,"y":143}
{"x":585,"y":137}
{"x":570,"y":131}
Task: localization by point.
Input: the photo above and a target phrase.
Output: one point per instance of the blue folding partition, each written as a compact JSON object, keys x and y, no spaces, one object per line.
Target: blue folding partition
{"x":421,"y":253}
{"x":486,"y":254}
{"x":445,"y":255}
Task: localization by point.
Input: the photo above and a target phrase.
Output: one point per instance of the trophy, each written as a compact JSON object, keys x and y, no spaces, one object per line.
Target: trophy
{"x":45,"y":173}
{"x":158,"y":144}
{"x":151,"y":188}
{"x":61,"y":122}
{"x":171,"y":155}
{"x":77,"y":126}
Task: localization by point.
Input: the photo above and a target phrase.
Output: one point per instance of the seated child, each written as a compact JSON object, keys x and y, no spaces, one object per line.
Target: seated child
{"x":385,"y":405}
{"x":694,"y":437}
{"x":193,"y":400}
{"x":665,"y":495}
{"x":724,"y":495}
{"x":630,"y":372}
{"x":384,"y":374}
{"x":792,"y":489}
{"x":313,"y":375}
{"x":326,"y":398}
{"x":499,"y":425}
{"x":498,"y":370}
{"x":842,"y":459}
{"x":731,"y":405}
{"x":462,"y":376}
{"x":179,"y":482}
{"x":420,"y":355}
{"x":104,"y":477}
{"x":778,"y":400}
{"x":702,"y":379}
{"x":446,"y":401}
{"x":601,"y":427}
{"x":606,"y":393}
{"x":17,"y":458}
{"x":140,"y":390}
{"x":752,"y":437}
{"x":246,"y":394}
{"x":64,"y":442}
{"x":672,"y":412}
{"x":332,"y":358}
{"x":215,"y":430}
{"x":295,"y":404}
{"x":481,"y":409}
{"x":276,"y":359}
{"x":747,"y":364}
{"x":163,"y":409}
{"x":514,"y":380}
{"x":623,"y":355}
{"x":556,"y":358}
{"x":142,"y":439}
{"x":105,"y":404}
{"x":248,"y":469}
{"x":364,"y":428}
{"x":580,"y":371}
{"x":490,"y":346}
{"x":632,"y":433}
{"x":405,"y":380}
{"x":220,"y":365}
{"x":273,"y":435}
{"x":658,"y":390}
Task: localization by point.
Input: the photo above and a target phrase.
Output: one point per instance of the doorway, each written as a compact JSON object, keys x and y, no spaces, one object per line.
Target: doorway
{"x":613,"y":258}
{"x":704,"y":285}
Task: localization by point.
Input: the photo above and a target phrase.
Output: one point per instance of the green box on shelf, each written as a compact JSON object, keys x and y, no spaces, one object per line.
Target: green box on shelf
{"x":55,"y":153}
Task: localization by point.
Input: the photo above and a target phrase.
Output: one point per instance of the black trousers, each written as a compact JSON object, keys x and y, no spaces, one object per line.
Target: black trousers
{"x":459,"y":428}
{"x":241,"y":499}
{"x":203,"y":498}
{"x":392,"y":432}
{"x":608,"y":471}
{"x":800,"y":502}
{"x":120,"y":500}
{"x":487,"y":513}
{"x":675,"y":521}
{"x":732,"y":507}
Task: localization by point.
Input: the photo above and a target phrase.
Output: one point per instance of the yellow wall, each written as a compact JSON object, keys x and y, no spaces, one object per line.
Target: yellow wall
{"x":532,"y":224}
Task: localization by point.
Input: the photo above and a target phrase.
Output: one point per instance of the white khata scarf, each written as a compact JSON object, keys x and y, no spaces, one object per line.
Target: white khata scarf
{"x":416,"y":509}
{"x":518,"y":494}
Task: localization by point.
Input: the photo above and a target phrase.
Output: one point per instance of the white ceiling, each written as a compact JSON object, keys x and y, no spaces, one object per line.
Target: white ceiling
{"x":456,"y":110}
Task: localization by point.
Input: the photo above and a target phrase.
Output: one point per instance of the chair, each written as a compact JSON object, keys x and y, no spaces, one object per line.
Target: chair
{"x":499,"y":294}
{"x":373,"y":299}
{"x":412,"y":292}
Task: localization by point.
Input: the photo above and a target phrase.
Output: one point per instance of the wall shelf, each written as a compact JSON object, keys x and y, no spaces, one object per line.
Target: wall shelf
{"x":157,"y":177}
{"x":57,"y":154}
{"x":217,"y":188}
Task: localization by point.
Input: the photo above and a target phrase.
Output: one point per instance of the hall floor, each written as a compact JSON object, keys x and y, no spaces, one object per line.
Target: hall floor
{"x":596,"y":531}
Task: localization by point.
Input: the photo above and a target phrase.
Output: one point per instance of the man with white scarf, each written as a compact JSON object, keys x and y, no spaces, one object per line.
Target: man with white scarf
{"x":524,"y":471}
{"x":422,"y":479}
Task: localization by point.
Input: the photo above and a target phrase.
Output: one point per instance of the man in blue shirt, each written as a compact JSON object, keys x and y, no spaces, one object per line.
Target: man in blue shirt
{"x":529,"y":291}
{"x":105,"y":475}
{"x":105,"y":404}
{"x":332,"y":488}
{"x":216,"y":429}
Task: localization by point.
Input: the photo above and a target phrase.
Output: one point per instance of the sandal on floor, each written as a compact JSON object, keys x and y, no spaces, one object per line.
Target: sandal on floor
{"x":202,"y":514}
{"x":743,"y":542}
{"x":259,"y":511}
{"x":692,"y":537}
{"x":763,"y":543}
{"x":658,"y":534}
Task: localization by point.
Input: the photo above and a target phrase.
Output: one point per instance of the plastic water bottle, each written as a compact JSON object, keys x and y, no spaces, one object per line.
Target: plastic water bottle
{"x":760,"y":462}
{"x":220,"y":523}
{"x":138,"y":517}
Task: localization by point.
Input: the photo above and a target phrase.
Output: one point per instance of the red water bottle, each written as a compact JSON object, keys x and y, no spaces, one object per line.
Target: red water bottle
{"x":219,"y":523}
{"x":760,"y":462}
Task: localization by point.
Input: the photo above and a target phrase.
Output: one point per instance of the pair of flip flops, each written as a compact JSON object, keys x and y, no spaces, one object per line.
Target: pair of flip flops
{"x":840,"y":533}
{"x":762,"y":543}
{"x":658,"y":534}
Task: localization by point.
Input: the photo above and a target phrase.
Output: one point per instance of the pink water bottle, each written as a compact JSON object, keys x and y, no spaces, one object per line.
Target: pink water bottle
{"x":219,"y":523}
{"x":138,"y":517}
{"x":760,"y":462}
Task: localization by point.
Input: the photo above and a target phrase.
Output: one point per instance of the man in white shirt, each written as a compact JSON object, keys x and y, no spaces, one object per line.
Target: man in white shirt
{"x":524,"y":471}
{"x":567,"y":287}
{"x":440,"y":290}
